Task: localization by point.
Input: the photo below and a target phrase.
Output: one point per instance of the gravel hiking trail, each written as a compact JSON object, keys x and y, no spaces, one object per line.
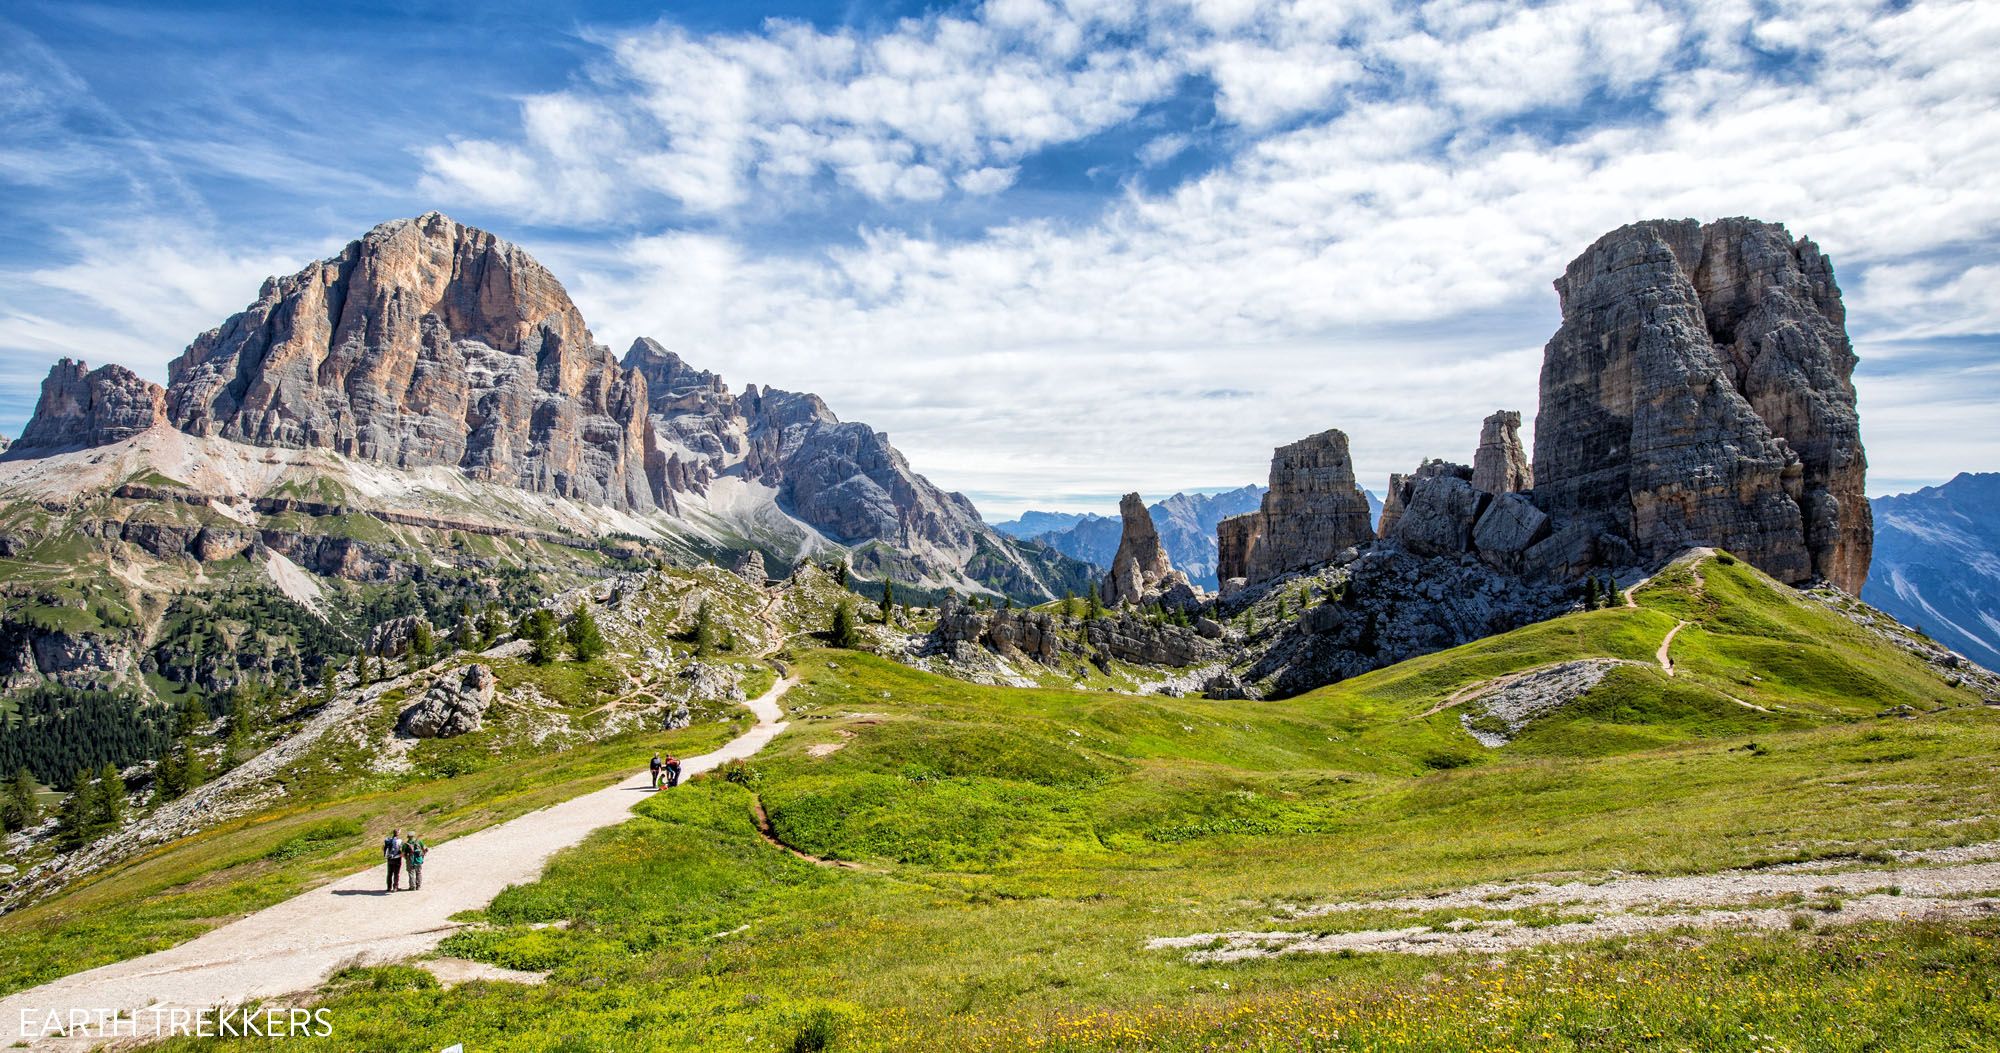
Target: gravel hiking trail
{"x":292,"y":947}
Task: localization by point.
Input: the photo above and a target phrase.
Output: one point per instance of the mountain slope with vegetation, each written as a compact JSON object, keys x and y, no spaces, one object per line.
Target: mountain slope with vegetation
{"x":921,"y":862}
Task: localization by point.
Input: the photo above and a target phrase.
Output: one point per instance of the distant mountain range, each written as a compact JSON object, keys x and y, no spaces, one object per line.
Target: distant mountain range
{"x":1937,"y":563}
{"x":1186,"y":523}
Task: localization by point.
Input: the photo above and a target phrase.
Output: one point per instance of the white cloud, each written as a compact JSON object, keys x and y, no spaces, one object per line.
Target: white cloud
{"x":1380,"y":263}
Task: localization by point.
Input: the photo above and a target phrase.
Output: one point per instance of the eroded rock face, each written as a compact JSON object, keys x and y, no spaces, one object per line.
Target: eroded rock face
{"x":1500,"y":465}
{"x":842,"y":478}
{"x":83,"y":407}
{"x":1141,"y":565}
{"x":750,"y":567}
{"x":1129,"y":638}
{"x":426,"y":342}
{"x":455,"y":704}
{"x":1700,"y":392}
{"x":1311,"y":513}
{"x":1011,"y":632}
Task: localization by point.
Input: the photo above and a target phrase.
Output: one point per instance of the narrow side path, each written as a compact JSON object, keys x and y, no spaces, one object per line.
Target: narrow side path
{"x":294,"y":946}
{"x":1666,"y":660}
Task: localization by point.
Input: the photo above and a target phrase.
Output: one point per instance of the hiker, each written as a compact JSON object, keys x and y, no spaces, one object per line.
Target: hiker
{"x":673,"y":769}
{"x":392,"y":853}
{"x":656,"y":771}
{"x":413,"y":851}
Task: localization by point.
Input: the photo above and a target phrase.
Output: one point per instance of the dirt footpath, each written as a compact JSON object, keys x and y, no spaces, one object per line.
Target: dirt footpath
{"x":294,"y":946}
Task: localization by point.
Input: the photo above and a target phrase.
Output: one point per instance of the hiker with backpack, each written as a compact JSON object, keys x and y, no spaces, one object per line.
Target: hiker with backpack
{"x":673,"y":770}
{"x":413,"y":853}
{"x":656,"y":771}
{"x":392,"y":854}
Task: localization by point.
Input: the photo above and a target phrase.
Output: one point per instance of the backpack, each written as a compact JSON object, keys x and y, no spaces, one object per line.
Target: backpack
{"x":392,"y":847}
{"x":416,"y":851}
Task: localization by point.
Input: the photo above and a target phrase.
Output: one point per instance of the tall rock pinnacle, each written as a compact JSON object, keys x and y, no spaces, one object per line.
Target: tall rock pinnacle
{"x":1500,"y":465}
{"x":1700,"y":391}
{"x":81,"y":406}
{"x":1141,"y":562}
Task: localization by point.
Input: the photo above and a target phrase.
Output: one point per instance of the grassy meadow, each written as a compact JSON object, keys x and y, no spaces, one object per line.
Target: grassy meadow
{"x":1006,"y":854}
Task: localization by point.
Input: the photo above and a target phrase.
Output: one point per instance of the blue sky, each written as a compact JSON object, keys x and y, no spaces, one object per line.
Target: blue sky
{"x":1058,"y":250}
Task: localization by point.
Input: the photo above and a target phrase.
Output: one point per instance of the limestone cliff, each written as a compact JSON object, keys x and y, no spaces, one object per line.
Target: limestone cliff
{"x":1700,"y":391}
{"x":426,"y":342}
{"x":91,"y":407}
{"x":1311,"y":513}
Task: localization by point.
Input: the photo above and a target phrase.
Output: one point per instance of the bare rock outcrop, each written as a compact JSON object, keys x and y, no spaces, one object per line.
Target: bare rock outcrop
{"x":426,"y":342}
{"x":1312,"y":512}
{"x":83,"y":407}
{"x":1011,"y":632}
{"x":750,"y":567}
{"x":1141,"y":565}
{"x":1700,"y":391}
{"x":1500,"y":465}
{"x":455,"y":704}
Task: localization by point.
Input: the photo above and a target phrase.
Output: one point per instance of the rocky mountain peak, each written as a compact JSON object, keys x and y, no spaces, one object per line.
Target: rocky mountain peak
{"x":426,"y":342}
{"x":668,"y":377}
{"x":81,"y":406}
{"x":1700,"y":391}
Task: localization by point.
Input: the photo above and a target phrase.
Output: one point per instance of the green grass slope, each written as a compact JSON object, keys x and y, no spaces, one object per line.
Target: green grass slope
{"x":1011,"y":852}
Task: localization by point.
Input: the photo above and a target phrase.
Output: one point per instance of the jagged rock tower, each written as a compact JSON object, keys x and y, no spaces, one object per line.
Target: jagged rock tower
{"x":1700,"y":391}
{"x":1500,"y":465}
{"x":1141,"y":563}
{"x":1312,"y":512}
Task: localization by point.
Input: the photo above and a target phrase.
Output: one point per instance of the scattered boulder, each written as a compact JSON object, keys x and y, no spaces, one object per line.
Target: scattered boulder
{"x":1129,"y":638}
{"x":391,"y":639}
{"x":705,"y":680}
{"x":455,"y":704}
{"x":1440,"y":516}
{"x":1509,"y":527}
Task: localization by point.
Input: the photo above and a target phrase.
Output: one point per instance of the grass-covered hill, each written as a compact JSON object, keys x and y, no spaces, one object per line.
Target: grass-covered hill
{"x":954,"y":866}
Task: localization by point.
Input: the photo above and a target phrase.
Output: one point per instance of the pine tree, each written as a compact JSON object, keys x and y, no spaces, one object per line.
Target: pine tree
{"x":1007,"y":604}
{"x":1590,"y":593}
{"x":888,"y":601}
{"x":492,"y":624}
{"x":422,"y":642}
{"x":704,"y":629}
{"x":585,"y":640}
{"x":1611,"y":597}
{"x":19,"y":810}
{"x":840,"y":573}
{"x":78,"y":811}
{"x":843,"y":633}
{"x":110,"y":797}
{"x":543,"y":647}
{"x":1094,"y":604}
{"x":1069,"y":603}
